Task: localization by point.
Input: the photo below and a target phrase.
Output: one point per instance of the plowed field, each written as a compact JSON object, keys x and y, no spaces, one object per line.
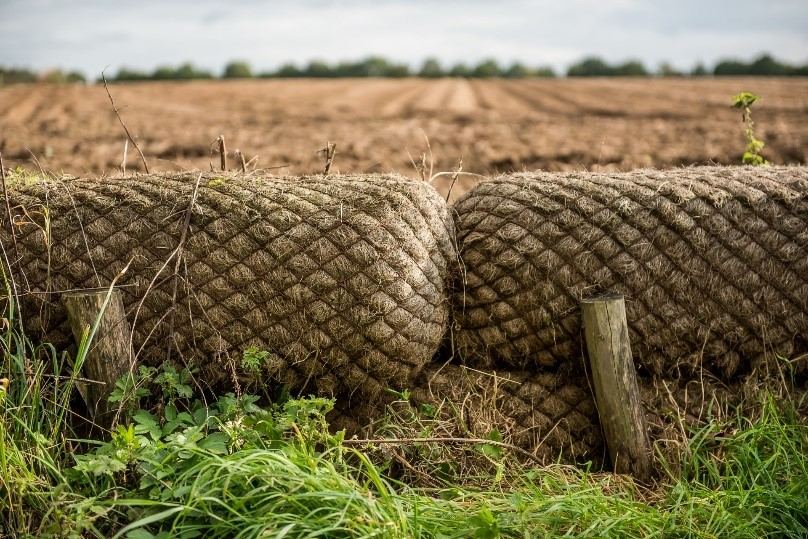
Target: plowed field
{"x":378,"y":125}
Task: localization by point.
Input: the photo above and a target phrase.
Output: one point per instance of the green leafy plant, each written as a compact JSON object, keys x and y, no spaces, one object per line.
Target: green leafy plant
{"x":253,"y":358}
{"x":751,"y":156}
{"x":174,"y":384}
{"x":130,"y":388}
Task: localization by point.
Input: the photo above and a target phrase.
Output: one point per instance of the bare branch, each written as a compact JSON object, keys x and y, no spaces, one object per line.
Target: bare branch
{"x":123,"y":161}
{"x":457,"y":172}
{"x":125,"y":130}
{"x":330,"y":151}
{"x":185,"y":226}
{"x":222,"y":153}
{"x":241,"y":158}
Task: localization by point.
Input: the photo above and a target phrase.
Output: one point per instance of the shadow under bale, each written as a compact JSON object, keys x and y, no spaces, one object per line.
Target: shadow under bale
{"x":342,"y":279}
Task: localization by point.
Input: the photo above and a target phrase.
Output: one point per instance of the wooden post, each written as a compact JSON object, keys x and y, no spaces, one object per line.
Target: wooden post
{"x":615,"y":379}
{"x":110,"y":355}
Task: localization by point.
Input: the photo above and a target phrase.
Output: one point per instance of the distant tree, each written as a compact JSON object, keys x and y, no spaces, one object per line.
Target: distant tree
{"x":597,"y":67}
{"x":53,"y":76}
{"x":76,"y":77}
{"x":487,"y":69}
{"x":517,"y":70}
{"x":544,"y":71}
{"x":126,"y":74}
{"x":799,"y":71}
{"x":590,"y":67}
{"x":699,"y":70}
{"x":237,"y":69}
{"x":376,"y":66}
{"x":187,"y":71}
{"x":57,"y":76}
{"x":285,"y":71}
{"x":431,"y":69}
{"x":666,"y":69}
{"x":460,"y":70}
{"x":16,"y":75}
{"x":398,"y":71}
{"x":632,"y":68}
{"x":766,"y":65}
{"x":319,"y":69}
{"x":164,"y":73}
{"x":352,"y":69}
{"x":730,"y":68}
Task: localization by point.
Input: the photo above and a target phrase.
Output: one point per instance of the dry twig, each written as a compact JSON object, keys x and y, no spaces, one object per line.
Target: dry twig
{"x":125,"y":130}
{"x":241,"y":158}
{"x":183,"y":236}
{"x":330,"y":151}
{"x":123,"y":161}
{"x":457,"y":172}
{"x":222,"y":153}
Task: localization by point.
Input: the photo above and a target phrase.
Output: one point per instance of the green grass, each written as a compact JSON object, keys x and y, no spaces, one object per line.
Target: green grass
{"x":244,"y":467}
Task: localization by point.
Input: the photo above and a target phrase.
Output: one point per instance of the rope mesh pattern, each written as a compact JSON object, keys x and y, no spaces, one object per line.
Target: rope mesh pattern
{"x":713,"y":263}
{"x":550,"y":414}
{"x":343,"y":280}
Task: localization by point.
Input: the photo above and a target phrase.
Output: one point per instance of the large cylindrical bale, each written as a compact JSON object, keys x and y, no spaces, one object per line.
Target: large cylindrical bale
{"x":713,"y":262}
{"x":342,"y":280}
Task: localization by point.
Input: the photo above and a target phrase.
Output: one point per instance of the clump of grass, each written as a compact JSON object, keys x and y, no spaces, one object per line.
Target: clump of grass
{"x":754,"y":146}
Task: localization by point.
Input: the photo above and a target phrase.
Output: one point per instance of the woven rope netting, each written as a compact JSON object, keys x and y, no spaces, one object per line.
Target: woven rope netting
{"x":342,"y":279}
{"x":713,"y":262}
{"x":551,"y":414}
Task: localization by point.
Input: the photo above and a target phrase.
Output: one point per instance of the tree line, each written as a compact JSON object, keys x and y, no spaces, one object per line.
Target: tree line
{"x":375,"y":66}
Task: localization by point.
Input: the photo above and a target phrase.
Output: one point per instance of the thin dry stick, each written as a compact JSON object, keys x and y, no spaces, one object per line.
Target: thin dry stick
{"x":37,"y":163}
{"x":420,"y":170}
{"x":125,"y":130}
{"x":457,"y":172}
{"x":446,"y":440}
{"x":125,"y":151}
{"x":431,"y":157}
{"x":241,"y":158}
{"x":255,"y":160}
{"x":185,"y":226}
{"x":222,"y":153}
{"x":330,"y":151}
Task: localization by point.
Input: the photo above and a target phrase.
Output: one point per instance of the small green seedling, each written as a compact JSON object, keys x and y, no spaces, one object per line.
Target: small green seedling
{"x":751,"y":156}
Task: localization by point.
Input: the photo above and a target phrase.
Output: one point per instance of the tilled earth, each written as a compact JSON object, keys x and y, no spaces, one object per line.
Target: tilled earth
{"x":380,"y":125}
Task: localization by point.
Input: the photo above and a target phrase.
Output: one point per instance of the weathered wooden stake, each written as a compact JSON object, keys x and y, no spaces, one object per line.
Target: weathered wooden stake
{"x":110,"y":355}
{"x":616,"y":391}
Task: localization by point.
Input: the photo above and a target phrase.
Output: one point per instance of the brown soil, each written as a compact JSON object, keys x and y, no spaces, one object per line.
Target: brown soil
{"x":494,"y":125}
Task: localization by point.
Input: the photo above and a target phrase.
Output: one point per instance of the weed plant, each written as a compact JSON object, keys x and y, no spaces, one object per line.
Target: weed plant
{"x":754,"y":145}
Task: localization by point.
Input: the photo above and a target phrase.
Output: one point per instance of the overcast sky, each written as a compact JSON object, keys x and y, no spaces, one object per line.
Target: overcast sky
{"x":91,"y":34}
